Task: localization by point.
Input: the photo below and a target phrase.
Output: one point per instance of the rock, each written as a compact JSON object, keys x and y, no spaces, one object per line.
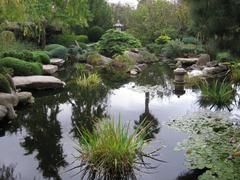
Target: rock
{"x":9,"y":101}
{"x":203,"y":59}
{"x":133,"y":72}
{"x":211,"y":71}
{"x":141,"y":67}
{"x":187,"y":61}
{"x":57,"y":61}
{"x":37,"y":82}
{"x":195,"y":73}
{"x":25,"y":98}
{"x":50,"y":69}
{"x":89,"y":67}
{"x":212,"y":64}
{"x":98,"y":60}
{"x":3,"y":112}
{"x":134,"y":57}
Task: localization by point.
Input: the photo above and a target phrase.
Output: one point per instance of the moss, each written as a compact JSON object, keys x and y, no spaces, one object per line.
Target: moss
{"x":20,"y":67}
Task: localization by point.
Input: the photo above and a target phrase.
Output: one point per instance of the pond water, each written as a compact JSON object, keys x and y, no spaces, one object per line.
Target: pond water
{"x":40,"y":143}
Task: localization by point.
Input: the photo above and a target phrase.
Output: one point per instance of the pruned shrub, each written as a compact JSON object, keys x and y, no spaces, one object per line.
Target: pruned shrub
{"x":41,"y":56}
{"x":4,"y":84}
{"x":190,"y":40}
{"x":155,"y":48}
{"x":20,"y":67}
{"x":173,"y":49}
{"x":224,"y":56}
{"x":69,"y":39}
{"x":50,"y":47}
{"x":116,"y":42}
{"x":163,"y":39}
{"x":95,"y":33}
{"x":60,"y":52}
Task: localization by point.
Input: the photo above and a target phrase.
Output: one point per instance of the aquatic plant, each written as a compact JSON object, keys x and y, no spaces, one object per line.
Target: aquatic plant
{"x":220,"y":94}
{"x":88,"y":81}
{"x":111,"y":151}
{"x":213,"y":145}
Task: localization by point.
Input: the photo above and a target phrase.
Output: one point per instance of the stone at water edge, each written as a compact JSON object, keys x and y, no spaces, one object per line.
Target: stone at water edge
{"x":57,"y":61}
{"x":9,"y":101}
{"x":50,"y":69}
{"x":37,"y":82}
{"x":203,"y":59}
{"x":3,"y":112}
{"x":186,"y":61}
{"x":25,"y":98}
{"x":133,"y":72}
{"x":195,"y":73}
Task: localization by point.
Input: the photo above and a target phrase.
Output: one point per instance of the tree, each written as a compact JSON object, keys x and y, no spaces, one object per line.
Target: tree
{"x":218,"y":20}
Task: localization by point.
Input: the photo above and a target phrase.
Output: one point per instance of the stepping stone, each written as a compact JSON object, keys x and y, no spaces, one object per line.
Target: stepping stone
{"x":37,"y":82}
{"x":50,"y":69}
{"x":57,"y":61}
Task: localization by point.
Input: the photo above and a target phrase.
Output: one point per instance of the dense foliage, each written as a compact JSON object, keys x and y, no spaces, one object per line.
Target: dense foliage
{"x":116,"y":42}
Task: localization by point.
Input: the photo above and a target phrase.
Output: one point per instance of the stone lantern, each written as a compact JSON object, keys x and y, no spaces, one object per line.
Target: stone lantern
{"x":118,"y":25}
{"x":179,"y":74}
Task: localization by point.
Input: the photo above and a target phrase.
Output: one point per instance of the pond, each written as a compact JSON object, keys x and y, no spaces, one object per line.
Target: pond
{"x":40,"y":143}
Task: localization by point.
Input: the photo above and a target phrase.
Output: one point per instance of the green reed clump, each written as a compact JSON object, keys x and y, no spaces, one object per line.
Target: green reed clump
{"x":110,"y":150}
{"x":217,"y":93}
{"x":89,"y":81}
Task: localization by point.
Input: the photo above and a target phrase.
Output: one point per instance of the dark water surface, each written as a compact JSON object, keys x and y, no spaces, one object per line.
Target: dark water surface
{"x":40,"y":143}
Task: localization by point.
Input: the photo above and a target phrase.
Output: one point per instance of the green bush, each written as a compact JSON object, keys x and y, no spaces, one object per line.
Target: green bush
{"x":155,"y":48}
{"x":41,"y":56}
{"x":116,"y":42}
{"x":20,"y":67}
{"x":190,"y":40}
{"x":4,"y":84}
{"x":147,"y":56}
{"x":24,"y":55}
{"x":224,"y":56}
{"x":50,"y":47}
{"x":95,"y":33}
{"x":60,"y":52}
{"x":163,"y":39}
{"x":16,"y":46}
{"x":173,"y":49}
{"x":192,"y":49}
{"x":69,"y":39}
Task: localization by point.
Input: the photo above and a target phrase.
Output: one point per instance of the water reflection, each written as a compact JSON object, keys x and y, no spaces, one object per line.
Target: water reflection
{"x":7,"y":173}
{"x":44,"y":135}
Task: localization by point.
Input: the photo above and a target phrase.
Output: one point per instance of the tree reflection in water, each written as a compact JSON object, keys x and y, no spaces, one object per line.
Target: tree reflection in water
{"x":7,"y":173}
{"x":44,"y":135}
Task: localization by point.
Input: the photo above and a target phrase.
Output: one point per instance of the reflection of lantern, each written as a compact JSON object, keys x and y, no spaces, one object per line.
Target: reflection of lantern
{"x":179,"y":75}
{"x":118,"y":25}
{"x":179,"y":89}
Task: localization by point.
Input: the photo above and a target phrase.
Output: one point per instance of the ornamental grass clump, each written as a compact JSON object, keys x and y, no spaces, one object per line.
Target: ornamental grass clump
{"x":218,"y":94}
{"x":110,"y":150}
{"x":88,"y":81}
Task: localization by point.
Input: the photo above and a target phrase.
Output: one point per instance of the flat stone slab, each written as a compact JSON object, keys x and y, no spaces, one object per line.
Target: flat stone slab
{"x":50,"y":69}
{"x":37,"y":82}
{"x":3,"y":112}
{"x":57,"y":61}
{"x":188,"y":61}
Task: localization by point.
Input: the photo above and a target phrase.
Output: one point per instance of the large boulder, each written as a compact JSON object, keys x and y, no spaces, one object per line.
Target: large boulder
{"x":203,"y":59}
{"x":218,"y":70}
{"x":37,"y":82}
{"x":3,"y":112}
{"x":49,"y":69}
{"x":98,"y":60}
{"x":134,"y":57}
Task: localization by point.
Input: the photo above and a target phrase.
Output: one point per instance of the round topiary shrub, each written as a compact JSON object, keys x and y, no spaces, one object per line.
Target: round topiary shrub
{"x":68,"y":39}
{"x":60,"y":52}
{"x":95,"y":33}
{"x":52,"y":46}
{"x":163,"y":39}
{"x":4,"y":84}
{"x":41,"y":56}
{"x":116,"y":42}
{"x":7,"y":37}
{"x":23,"y":55}
{"x":20,"y":67}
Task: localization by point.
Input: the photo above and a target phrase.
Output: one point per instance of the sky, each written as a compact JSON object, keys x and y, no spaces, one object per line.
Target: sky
{"x":130,"y":2}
